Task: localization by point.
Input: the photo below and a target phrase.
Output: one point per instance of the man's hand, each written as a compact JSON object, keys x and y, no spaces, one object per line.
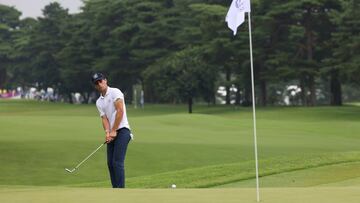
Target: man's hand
{"x":108,"y":138}
{"x":113,"y":134}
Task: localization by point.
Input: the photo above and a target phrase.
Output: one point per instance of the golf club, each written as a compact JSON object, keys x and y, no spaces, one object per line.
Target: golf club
{"x":74,"y":169}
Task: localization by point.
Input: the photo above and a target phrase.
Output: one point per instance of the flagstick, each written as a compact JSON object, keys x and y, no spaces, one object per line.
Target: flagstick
{"x":254,"y":115}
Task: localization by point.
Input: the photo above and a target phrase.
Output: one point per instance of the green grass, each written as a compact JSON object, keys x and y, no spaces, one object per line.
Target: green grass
{"x":245,"y":195}
{"x":211,"y":148}
{"x":211,"y":176}
{"x":342,"y":174}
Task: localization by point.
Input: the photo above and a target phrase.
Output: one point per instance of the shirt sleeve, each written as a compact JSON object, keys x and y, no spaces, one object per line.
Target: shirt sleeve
{"x":118,"y":95}
{"x":101,"y":112}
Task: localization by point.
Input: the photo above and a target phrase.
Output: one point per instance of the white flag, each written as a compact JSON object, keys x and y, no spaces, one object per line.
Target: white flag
{"x":236,"y":14}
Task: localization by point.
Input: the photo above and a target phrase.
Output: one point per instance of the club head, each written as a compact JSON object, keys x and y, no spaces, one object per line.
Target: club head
{"x":68,"y":170}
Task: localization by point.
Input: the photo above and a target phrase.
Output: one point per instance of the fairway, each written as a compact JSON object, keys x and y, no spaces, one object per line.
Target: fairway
{"x":313,"y":152}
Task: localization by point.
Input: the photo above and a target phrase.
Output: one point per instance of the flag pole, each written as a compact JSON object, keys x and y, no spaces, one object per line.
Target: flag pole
{"x":254,"y":114}
{"x":234,"y":18}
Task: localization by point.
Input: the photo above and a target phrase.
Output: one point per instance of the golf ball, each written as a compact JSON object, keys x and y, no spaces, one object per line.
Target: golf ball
{"x":173,"y":186}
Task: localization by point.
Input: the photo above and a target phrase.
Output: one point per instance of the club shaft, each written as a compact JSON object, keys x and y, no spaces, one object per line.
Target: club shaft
{"x":89,"y":155}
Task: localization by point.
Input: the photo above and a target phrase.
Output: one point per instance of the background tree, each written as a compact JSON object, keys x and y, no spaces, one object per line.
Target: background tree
{"x":9,"y":22}
{"x":343,"y":62}
{"x":21,"y":54}
{"x":47,"y":40}
{"x":308,"y":43}
{"x":180,"y":77}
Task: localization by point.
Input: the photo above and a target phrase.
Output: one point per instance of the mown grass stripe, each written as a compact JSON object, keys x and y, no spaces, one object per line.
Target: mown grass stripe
{"x":212,"y":176}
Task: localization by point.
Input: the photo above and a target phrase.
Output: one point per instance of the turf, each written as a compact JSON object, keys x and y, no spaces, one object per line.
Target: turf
{"x":211,"y":148}
{"x":343,"y":174}
{"x":268,"y":195}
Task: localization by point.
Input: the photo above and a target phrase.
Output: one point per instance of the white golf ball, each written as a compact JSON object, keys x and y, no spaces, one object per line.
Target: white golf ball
{"x":173,"y":186}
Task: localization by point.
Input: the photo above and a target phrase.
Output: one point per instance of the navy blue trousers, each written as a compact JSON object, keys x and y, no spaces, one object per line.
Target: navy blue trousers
{"x":116,"y":151}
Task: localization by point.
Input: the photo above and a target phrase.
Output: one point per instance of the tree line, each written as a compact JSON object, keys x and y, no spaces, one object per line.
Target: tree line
{"x":181,"y":50}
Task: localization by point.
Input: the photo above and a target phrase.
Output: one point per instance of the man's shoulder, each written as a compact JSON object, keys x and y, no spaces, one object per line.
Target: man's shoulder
{"x":115,"y":90}
{"x":98,"y":101}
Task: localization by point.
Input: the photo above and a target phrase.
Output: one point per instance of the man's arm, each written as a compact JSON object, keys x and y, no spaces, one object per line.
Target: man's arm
{"x":106,"y":126}
{"x":118,"y":117}
{"x":105,"y":123}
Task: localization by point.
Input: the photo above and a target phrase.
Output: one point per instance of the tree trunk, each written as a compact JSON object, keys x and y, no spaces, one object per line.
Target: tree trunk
{"x":2,"y":76}
{"x":70,"y":98}
{"x":237,"y":96}
{"x":335,"y":89}
{"x":247,"y":96}
{"x":309,"y":51}
{"x":303,"y":92}
{"x":86,"y":97}
{"x":129,"y":94}
{"x":213,"y":99}
{"x":228,"y":78}
{"x":190,"y":103}
{"x":150,"y":96}
{"x":263,"y":95}
{"x":312,"y":88}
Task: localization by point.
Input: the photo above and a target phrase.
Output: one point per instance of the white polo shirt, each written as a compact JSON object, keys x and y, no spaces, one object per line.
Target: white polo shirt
{"x":105,"y":105}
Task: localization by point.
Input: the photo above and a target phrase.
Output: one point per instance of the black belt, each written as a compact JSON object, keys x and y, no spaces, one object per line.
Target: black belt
{"x":123,"y":128}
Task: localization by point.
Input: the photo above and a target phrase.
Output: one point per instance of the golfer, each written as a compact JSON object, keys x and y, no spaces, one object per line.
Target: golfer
{"x":111,"y":106}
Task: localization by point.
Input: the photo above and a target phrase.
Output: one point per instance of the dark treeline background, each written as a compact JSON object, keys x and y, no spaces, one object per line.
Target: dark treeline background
{"x":181,"y":50}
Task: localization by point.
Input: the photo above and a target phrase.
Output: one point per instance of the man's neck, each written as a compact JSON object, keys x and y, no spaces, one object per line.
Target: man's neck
{"x":104,"y":92}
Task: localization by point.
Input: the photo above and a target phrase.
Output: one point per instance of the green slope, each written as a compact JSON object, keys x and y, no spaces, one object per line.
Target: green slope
{"x":334,"y":175}
{"x":39,"y":139}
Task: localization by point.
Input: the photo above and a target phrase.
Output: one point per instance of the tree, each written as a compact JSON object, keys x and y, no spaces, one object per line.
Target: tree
{"x":218,"y":43}
{"x":304,"y":24}
{"x":22,"y":54}
{"x":343,"y":62}
{"x":180,"y":77}
{"x":47,"y":40}
{"x":305,"y":42}
{"x":9,"y":22}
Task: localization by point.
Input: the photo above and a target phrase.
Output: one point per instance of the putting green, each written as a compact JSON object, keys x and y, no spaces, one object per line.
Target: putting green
{"x":244,"y":195}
